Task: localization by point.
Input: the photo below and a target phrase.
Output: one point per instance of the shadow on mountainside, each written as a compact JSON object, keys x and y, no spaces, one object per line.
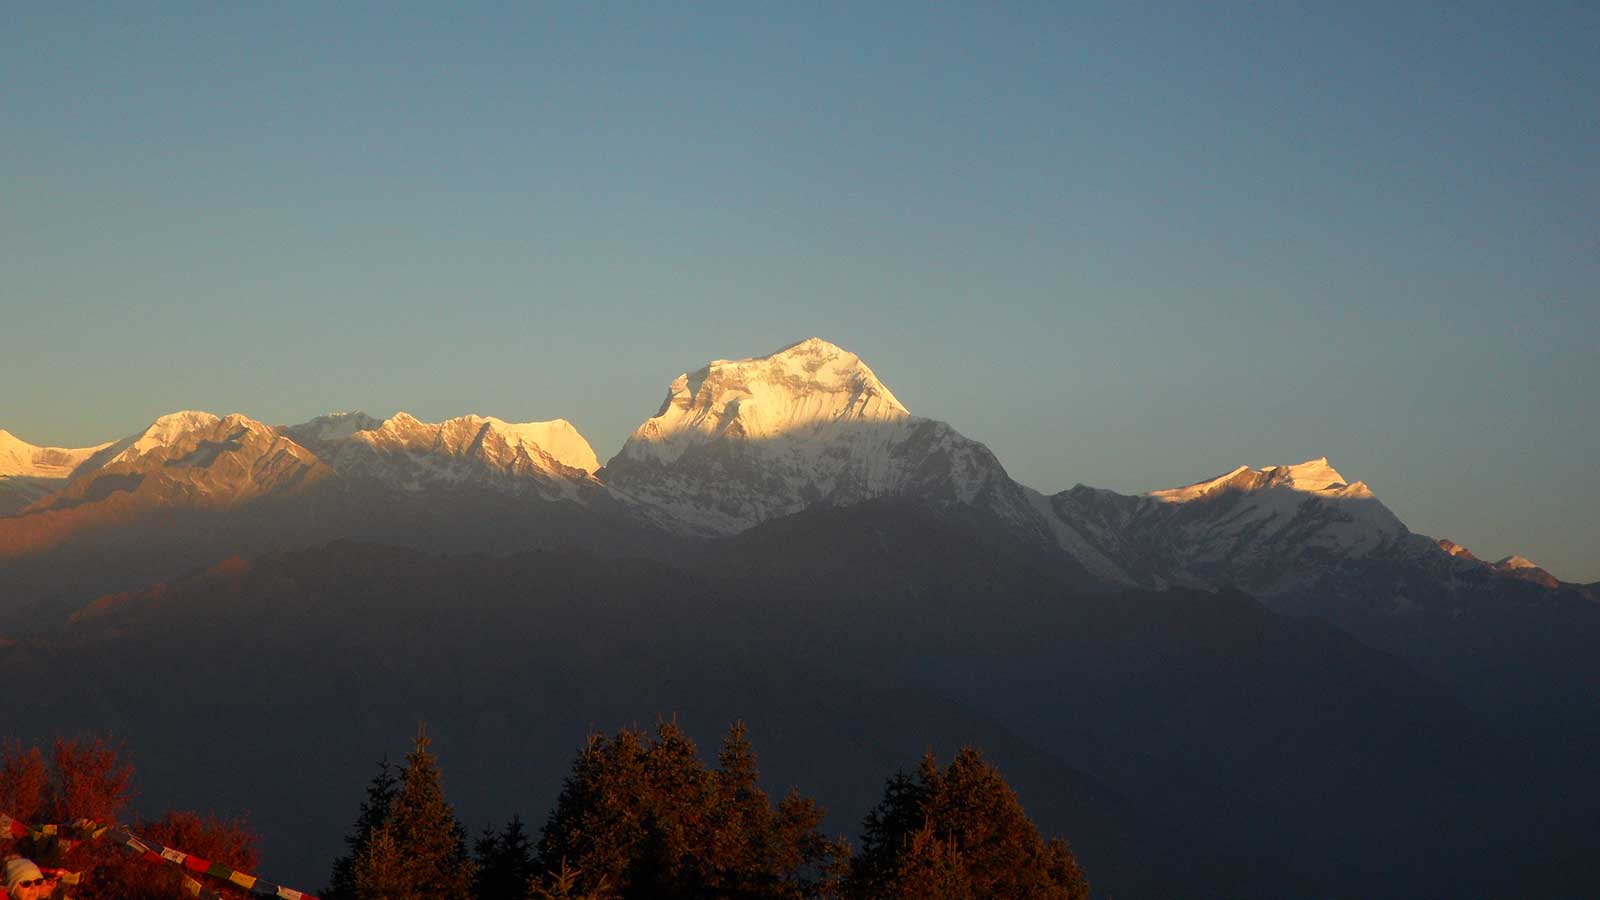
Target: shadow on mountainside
{"x":1185,"y":742}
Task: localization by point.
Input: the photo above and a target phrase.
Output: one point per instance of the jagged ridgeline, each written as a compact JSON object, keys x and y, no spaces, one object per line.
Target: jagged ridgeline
{"x":1266,"y":667}
{"x":735,"y":444}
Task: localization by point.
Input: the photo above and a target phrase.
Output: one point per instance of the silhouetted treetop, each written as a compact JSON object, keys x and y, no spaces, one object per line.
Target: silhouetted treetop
{"x":640,"y":816}
{"x":958,"y":833}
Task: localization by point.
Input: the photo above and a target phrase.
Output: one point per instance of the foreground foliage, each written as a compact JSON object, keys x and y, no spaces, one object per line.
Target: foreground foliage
{"x":87,"y":779}
{"x":639,"y":816}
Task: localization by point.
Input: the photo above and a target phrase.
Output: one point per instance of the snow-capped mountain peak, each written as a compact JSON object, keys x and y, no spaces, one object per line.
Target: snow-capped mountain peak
{"x":550,"y":459}
{"x":1267,"y":530}
{"x":1513,"y":566}
{"x":331,"y":427}
{"x":29,"y":473}
{"x":555,"y":439}
{"x":177,"y":434}
{"x":804,"y":387}
{"x":192,"y":458}
{"x":1311,"y":475}
{"x":22,"y":459}
{"x":1525,"y":569}
{"x":739,"y":442}
{"x":1314,"y":476}
{"x":1238,"y":477}
{"x":173,"y":433}
{"x":164,"y":432}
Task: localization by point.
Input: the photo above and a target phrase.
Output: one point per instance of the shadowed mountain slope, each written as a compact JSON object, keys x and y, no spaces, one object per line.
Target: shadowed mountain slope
{"x":849,"y":640}
{"x":1282,"y":738}
{"x":326,"y":658}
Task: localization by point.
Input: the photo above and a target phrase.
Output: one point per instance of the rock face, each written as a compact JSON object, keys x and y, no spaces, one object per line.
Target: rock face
{"x":18,"y":492}
{"x":183,"y":461}
{"x":740,"y":442}
{"x":193,"y":459}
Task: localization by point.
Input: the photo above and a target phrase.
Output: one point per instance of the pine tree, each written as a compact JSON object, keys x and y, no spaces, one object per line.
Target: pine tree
{"x":737,"y":861}
{"x":374,"y":810}
{"x":380,"y":870}
{"x":814,"y":864}
{"x":887,"y":828}
{"x":931,"y":867}
{"x":959,"y":833}
{"x":563,"y":884}
{"x":407,"y":843}
{"x":505,"y":863}
{"x":594,"y":829}
{"x":431,"y":843}
{"x":646,"y":819}
{"x":484,"y":851}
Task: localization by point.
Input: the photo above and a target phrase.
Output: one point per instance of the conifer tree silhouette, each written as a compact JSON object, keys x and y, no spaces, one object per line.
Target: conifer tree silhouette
{"x":505,"y":863}
{"x":374,"y":811}
{"x":959,"y":833}
{"x":644,"y":818}
{"x":420,"y":850}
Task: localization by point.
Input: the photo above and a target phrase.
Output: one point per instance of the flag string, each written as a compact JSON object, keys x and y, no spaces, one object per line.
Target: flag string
{"x":152,"y":851}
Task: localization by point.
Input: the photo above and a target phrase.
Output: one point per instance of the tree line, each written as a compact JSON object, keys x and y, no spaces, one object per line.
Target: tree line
{"x":639,"y":816}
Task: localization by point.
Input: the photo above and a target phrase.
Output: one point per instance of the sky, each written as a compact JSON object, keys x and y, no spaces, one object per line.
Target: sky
{"x":1128,"y":245}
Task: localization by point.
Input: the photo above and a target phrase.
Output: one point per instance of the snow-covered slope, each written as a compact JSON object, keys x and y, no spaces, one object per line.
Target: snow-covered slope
{"x":1309,"y":504}
{"x":20,"y":458}
{"x":29,"y":473}
{"x":1270,"y":530}
{"x":549,"y":459}
{"x":743,"y":441}
{"x":196,"y":458}
{"x":1524,"y":569}
{"x":325,"y":431}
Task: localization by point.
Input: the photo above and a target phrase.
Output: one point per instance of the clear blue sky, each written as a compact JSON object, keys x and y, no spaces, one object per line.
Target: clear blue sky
{"x":1124,"y":244}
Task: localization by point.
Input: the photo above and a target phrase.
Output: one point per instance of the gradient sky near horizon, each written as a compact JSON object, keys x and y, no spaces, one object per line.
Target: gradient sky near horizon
{"x":1128,"y":245}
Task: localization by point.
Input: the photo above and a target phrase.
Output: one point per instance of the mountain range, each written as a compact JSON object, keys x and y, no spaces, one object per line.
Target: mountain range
{"x":1266,"y":667}
{"x":734,"y":444}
